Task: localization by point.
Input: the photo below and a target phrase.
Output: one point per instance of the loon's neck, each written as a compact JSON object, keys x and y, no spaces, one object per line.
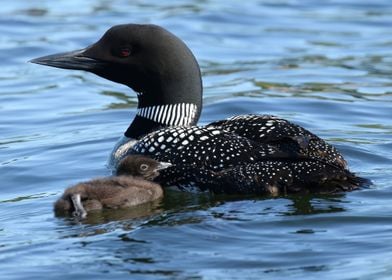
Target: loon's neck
{"x":176,"y":103}
{"x":153,"y":117}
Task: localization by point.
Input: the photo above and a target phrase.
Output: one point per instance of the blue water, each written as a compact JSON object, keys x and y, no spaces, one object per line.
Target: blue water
{"x":325,"y":65}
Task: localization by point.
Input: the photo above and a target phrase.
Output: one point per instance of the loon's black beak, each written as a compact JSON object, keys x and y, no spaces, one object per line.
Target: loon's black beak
{"x":76,"y":60}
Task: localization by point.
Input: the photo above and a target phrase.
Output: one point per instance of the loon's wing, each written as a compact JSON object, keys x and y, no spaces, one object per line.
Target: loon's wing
{"x":283,"y":134}
{"x":208,"y":147}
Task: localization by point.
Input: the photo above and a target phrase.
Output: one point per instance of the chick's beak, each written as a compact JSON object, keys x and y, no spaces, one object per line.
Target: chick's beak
{"x":163,"y":165}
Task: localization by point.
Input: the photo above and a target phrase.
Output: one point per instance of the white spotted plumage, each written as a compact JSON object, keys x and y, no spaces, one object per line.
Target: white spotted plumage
{"x":236,"y":146}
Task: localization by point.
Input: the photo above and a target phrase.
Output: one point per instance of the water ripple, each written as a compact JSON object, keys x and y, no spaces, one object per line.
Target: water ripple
{"x":325,"y":66}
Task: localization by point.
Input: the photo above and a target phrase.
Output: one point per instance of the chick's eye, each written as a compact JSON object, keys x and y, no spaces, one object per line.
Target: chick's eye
{"x":125,"y":52}
{"x":143,"y":167}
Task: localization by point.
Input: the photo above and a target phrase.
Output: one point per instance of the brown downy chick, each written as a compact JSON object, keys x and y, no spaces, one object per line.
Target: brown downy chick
{"x":130,"y":188}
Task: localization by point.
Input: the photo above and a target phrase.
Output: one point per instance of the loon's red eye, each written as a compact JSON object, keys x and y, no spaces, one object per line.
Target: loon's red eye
{"x":125,"y":52}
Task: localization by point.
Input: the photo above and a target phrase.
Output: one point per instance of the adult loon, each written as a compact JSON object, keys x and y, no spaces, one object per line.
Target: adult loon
{"x":131,"y":187}
{"x":264,"y":153}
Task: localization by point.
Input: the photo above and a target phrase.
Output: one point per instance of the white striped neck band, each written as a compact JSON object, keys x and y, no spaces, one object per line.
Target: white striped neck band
{"x":170,"y":114}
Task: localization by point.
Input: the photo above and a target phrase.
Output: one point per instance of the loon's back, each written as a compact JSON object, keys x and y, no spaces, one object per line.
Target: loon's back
{"x":247,"y":154}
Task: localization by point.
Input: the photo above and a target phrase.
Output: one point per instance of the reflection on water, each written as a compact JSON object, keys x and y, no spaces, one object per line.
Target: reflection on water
{"x":125,"y":101}
{"x":195,"y":209}
{"x":109,"y":215}
{"x":306,"y":205}
{"x":326,"y":66}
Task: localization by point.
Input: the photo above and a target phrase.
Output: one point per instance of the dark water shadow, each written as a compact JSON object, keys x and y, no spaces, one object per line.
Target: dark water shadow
{"x":107,"y":220}
{"x":181,"y":208}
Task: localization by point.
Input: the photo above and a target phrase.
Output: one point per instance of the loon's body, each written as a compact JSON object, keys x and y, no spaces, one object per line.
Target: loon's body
{"x":255,"y":148}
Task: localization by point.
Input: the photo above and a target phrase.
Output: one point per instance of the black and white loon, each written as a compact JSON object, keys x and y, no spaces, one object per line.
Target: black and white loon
{"x":243,"y":154}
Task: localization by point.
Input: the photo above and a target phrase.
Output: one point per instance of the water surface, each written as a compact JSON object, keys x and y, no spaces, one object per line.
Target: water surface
{"x":325,"y":65}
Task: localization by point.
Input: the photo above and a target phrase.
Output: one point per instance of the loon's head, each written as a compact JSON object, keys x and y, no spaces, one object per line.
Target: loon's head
{"x":154,"y":63}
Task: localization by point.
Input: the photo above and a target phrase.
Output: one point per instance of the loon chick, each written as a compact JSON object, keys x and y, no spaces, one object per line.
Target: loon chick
{"x":163,"y":72}
{"x":119,"y":191}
